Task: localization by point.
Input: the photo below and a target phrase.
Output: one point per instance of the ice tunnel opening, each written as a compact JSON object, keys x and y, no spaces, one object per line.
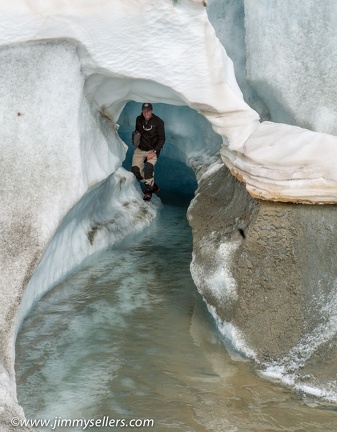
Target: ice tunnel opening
{"x":190,"y":145}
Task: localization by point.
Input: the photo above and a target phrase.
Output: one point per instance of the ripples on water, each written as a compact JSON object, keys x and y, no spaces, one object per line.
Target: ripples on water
{"x":128,"y":336}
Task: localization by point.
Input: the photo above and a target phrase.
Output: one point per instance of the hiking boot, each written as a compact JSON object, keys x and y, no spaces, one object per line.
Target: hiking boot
{"x":155,"y":188}
{"x":147,"y":195}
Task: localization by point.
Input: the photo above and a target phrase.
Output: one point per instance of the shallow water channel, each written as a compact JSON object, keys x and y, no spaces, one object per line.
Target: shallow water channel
{"x":129,"y":337}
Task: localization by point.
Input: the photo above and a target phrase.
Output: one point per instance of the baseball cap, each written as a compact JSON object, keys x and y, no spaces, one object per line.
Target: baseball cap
{"x":147,"y":107}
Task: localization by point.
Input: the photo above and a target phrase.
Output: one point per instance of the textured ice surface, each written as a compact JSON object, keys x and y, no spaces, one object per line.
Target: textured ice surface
{"x":291,"y":58}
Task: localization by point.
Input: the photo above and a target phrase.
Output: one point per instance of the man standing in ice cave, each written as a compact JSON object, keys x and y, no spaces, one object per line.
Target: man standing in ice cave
{"x":151,"y":140}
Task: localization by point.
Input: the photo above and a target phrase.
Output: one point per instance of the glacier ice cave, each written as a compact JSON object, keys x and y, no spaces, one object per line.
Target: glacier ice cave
{"x":248,"y":92}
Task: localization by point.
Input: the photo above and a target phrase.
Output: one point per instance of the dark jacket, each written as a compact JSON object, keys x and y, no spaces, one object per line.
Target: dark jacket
{"x":152,"y":133}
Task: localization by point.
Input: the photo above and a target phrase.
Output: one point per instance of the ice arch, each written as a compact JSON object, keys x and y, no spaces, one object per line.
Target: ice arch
{"x":184,"y":63}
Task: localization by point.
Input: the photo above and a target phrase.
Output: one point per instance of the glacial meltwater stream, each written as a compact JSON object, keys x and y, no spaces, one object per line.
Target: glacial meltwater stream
{"x":129,"y":337}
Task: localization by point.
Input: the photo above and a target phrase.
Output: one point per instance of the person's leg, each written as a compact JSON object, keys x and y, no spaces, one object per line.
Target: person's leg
{"x":149,"y":172}
{"x":138,"y":160}
{"x":150,"y":186}
{"x":144,"y":171}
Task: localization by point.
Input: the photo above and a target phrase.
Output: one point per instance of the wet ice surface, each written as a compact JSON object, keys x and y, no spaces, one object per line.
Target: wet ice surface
{"x":128,"y":336}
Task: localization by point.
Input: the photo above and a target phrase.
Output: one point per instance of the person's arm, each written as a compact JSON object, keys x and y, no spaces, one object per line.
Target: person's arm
{"x":161,"y":134}
{"x":139,"y":124}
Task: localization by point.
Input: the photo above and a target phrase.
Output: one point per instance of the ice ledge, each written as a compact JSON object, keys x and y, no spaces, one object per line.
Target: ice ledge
{"x":279,"y":162}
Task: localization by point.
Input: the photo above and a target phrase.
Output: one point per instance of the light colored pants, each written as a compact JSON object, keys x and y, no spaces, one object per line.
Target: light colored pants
{"x":143,"y":169}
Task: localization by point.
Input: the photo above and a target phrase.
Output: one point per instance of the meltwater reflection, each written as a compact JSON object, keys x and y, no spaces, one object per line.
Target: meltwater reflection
{"x":129,"y":337}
